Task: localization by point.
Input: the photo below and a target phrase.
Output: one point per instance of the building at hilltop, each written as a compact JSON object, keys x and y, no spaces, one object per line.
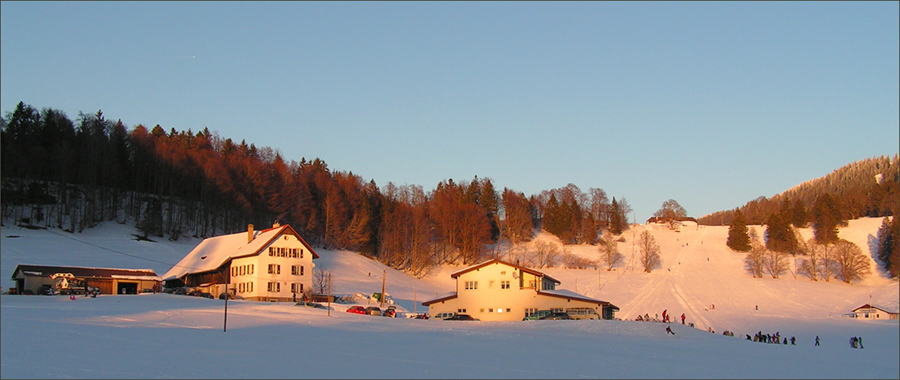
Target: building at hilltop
{"x":499,"y":291}
{"x":275,"y":264}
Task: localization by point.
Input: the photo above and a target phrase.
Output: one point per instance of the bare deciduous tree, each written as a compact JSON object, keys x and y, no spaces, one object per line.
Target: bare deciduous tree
{"x":649,"y":251}
{"x":544,"y":253}
{"x":573,"y":261}
{"x":810,"y":264}
{"x":776,"y":262}
{"x":609,"y":251}
{"x":320,"y":283}
{"x":852,"y":264}
{"x":755,"y":260}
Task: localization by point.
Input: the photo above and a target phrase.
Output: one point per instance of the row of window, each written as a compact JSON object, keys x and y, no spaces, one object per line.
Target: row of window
{"x":296,"y":270}
{"x":473,"y":285}
{"x":241,"y":270}
{"x":286,"y":252}
{"x":245,"y":287}
{"x":530,"y":310}
{"x":275,"y":287}
{"x":499,"y":310}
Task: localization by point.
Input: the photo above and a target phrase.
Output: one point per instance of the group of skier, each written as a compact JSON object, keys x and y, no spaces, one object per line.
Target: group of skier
{"x":666,"y":317}
{"x":770,"y":338}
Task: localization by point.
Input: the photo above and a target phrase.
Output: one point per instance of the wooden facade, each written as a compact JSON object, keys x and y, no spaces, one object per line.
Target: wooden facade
{"x":31,"y":278}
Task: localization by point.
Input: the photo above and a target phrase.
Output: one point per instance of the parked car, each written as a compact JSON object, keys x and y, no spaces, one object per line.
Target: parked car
{"x":421,"y":316}
{"x":47,"y":290}
{"x":373,"y":310}
{"x":231,"y":297}
{"x":391,"y":311}
{"x":582,"y":313}
{"x":357,"y":310}
{"x":537,"y":315}
{"x":181,"y":291}
{"x":197,"y":293}
{"x":314,"y":305}
{"x":442,"y":316}
{"x":557,"y":316}
{"x":461,"y":317}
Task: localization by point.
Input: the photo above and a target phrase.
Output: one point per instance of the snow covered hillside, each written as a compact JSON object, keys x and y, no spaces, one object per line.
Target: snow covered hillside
{"x":161,"y":335}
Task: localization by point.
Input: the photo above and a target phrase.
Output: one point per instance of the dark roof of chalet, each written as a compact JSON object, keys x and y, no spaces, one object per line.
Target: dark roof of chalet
{"x":49,"y":270}
{"x":564,"y":294}
{"x":656,"y":219}
{"x":498,"y":261}
{"x":870,"y":306}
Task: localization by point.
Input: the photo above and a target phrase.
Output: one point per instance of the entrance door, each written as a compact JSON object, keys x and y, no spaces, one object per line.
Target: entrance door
{"x":127,"y":288}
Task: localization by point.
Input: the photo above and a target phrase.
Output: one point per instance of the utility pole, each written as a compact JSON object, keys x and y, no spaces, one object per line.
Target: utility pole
{"x":329,"y":294}
{"x":225,"y":322}
{"x":382,"y":287}
{"x":633,"y":221}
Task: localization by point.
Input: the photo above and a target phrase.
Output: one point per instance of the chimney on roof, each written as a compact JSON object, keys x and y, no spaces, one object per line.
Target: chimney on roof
{"x":276,"y":224}
{"x":249,"y":233}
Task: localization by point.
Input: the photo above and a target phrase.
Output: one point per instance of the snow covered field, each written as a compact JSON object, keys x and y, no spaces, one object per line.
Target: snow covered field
{"x":166,"y":336}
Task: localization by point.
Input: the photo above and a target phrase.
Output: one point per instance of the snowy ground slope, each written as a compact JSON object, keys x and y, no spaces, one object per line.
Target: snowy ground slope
{"x":158,"y":336}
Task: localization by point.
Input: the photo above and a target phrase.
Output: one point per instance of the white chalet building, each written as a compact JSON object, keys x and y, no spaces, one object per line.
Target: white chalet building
{"x":868,"y":311}
{"x":499,"y":291}
{"x":269,"y":265}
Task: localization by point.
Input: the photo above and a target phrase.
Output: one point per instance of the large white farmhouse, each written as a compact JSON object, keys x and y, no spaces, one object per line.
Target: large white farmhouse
{"x":499,"y":291}
{"x":269,"y":265}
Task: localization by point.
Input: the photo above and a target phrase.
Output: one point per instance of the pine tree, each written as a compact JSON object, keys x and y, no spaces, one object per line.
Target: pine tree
{"x":889,"y":245}
{"x":826,"y":218}
{"x":779,"y":236}
{"x":615,"y":220}
{"x":738,"y":236}
{"x":552,"y":217}
{"x":799,"y":218}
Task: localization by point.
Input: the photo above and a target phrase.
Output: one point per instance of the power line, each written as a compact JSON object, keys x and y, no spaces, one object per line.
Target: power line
{"x":111,"y":250}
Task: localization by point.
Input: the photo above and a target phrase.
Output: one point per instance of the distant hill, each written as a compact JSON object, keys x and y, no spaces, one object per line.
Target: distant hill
{"x":866,"y":188}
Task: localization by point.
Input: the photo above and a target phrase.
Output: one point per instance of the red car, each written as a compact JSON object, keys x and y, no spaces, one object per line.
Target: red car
{"x":357,"y":310}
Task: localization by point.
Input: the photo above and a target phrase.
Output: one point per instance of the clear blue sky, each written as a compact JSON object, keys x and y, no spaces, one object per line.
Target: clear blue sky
{"x":710,"y":104}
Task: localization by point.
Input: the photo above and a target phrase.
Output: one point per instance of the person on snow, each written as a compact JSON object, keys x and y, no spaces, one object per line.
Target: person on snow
{"x":665,"y":315}
{"x":853,"y":342}
{"x":669,"y":330}
{"x":859,"y":339}
{"x":682,"y":318}
{"x":817,"y":341}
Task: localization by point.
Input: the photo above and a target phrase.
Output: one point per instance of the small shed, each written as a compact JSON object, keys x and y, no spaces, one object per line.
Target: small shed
{"x":31,"y":278}
{"x":868,"y":311}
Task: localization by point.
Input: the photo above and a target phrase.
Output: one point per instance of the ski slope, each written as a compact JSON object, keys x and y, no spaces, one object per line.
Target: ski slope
{"x":165,"y":336}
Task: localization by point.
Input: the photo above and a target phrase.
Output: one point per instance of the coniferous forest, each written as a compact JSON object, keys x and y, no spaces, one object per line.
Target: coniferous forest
{"x":866,"y":188}
{"x":73,"y":175}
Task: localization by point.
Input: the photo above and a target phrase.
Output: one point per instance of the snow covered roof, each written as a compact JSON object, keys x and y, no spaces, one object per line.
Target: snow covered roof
{"x":212,"y":252}
{"x":870,"y":306}
{"x":562,"y":293}
{"x":498,"y":261}
{"x":442,"y":297}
